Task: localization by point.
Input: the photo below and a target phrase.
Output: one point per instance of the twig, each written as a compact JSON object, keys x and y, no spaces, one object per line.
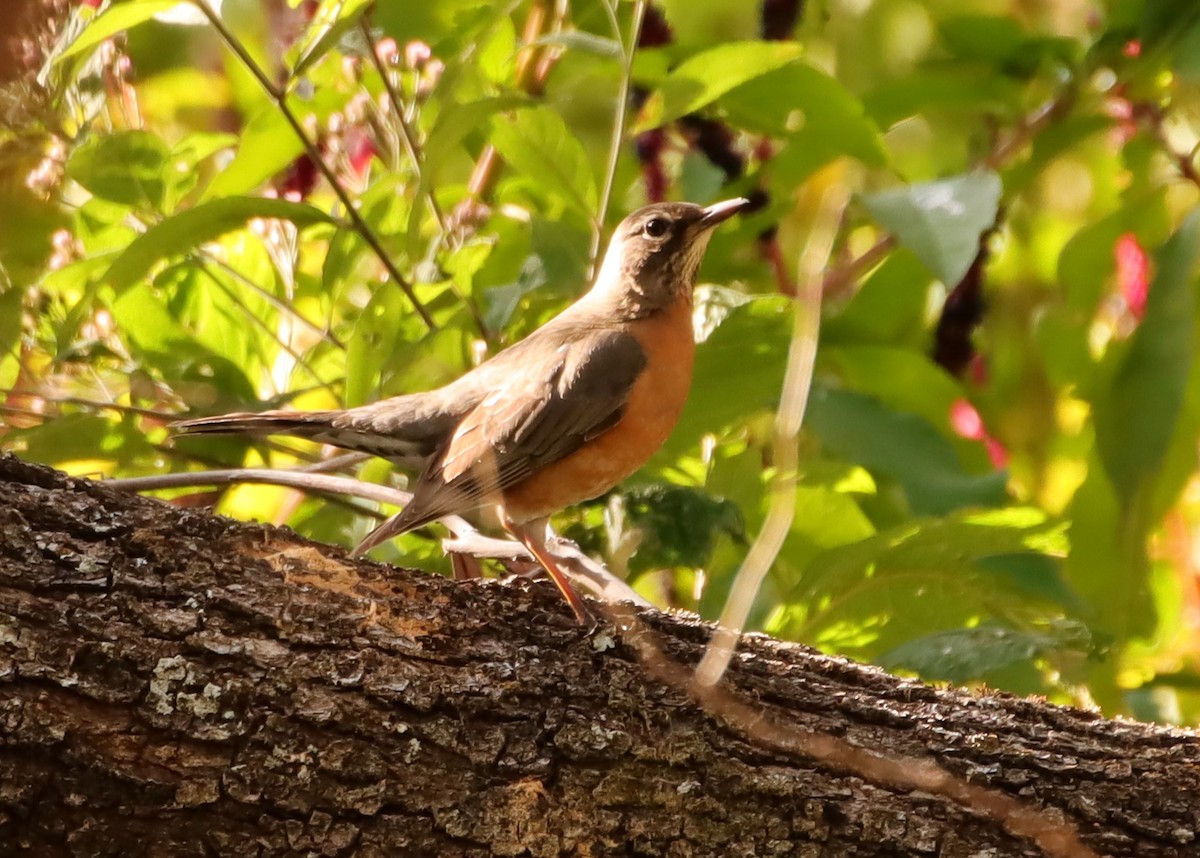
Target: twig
{"x":254,"y":319}
{"x":281,"y":306}
{"x":1185,"y":162}
{"x":628,"y":49}
{"x":844,"y":275}
{"x":1054,"y":835}
{"x":406,"y":132}
{"x":1029,"y":126}
{"x":92,"y":404}
{"x":467,"y":540}
{"x":279,"y":97}
{"x":802,"y":352}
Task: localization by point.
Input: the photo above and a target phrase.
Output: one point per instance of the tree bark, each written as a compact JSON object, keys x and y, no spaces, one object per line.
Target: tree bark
{"x":174,"y":683}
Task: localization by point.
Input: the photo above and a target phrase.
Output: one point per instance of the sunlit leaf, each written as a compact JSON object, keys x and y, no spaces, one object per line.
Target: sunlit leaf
{"x":903,"y":446}
{"x":192,"y":227}
{"x":941,"y":221}
{"x":116,"y":19}
{"x":832,"y":121}
{"x":1136,"y":416}
{"x":125,"y":167}
{"x":266,"y":145}
{"x":706,"y":76}
{"x":961,"y":655}
{"x":331,"y":19}
{"x":539,"y":144}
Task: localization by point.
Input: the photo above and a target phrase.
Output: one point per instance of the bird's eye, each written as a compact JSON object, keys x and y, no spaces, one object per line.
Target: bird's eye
{"x":657,"y":227}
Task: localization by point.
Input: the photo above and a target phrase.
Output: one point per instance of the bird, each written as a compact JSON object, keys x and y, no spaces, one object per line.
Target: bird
{"x":560,"y":417}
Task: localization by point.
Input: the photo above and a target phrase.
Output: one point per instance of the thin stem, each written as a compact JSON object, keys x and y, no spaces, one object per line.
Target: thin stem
{"x":466,"y":539}
{"x":414,"y":153}
{"x":618,"y":133}
{"x":406,"y":132}
{"x":89,"y":404}
{"x":279,"y":97}
{"x":802,"y":352}
{"x":843,"y":276}
{"x":280,"y":306}
{"x":254,"y":319}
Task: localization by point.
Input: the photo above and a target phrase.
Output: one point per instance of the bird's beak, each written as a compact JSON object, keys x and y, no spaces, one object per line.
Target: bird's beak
{"x":722,"y":211}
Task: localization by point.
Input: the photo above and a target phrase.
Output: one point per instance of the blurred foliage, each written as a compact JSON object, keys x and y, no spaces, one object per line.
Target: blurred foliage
{"x":1000,"y":480}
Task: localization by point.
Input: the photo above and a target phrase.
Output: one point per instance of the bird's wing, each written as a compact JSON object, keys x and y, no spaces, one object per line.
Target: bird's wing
{"x":538,"y":414}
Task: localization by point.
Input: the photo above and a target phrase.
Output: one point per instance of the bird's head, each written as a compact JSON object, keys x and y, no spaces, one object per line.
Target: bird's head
{"x":656,"y":251}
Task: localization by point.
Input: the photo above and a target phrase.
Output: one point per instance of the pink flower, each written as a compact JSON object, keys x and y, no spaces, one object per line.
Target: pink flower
{"x":966,"y":420}
{"x":1133,"y":273}
{"x":362,"y":150}
{"x":966,"y":423}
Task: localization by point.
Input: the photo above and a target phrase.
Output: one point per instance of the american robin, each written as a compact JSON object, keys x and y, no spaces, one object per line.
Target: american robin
{"x":557,"y":418}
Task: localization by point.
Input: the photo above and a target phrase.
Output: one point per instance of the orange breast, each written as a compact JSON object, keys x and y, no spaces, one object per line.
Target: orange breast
{"x":653,"y":410}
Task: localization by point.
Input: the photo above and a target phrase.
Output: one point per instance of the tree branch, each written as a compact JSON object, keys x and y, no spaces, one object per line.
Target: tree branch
{"x":176,"y":683}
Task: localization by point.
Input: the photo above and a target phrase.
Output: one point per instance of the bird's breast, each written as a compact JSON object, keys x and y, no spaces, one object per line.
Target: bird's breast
{"x":655,"y":403}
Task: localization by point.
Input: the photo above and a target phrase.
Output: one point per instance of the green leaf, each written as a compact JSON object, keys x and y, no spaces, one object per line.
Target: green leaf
{"x":1136,"y":415}
{"x":941,"y":221}
{"x":502,"y":301}
{"x":834,"y":120}
{"x":539,"y":144}
{"x":992,"y":38}
{"x":12,"y":301}
{"x":903,"y":446}
{"x":70,"y":437}
{"x":331,"y":19}
{"x":1107,"y":564}
{"x":903,"y":379}
{"x":142,"y":317}
{"x":739,"y":365}
{"x":973,"y":89}
{"x":126,"y":167}
{"x":889,"y":308}
{"x":706,"y":76}
{"x":1186,"y":59}
{"x":956,"y":541}
{"x":374,"y":338}
{"x":962,"y":655}
{"x":116,"y":19}
{"x":1040,"y":575}
{"x":914,"y":578}
{"x":185,"y":158}
{"x":192,"y":227}
{"x":498,"y":52}
{"x":267,"y":144}
{"x":679,"y":525}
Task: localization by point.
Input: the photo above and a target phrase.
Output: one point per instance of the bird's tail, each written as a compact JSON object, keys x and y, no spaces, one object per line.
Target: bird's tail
{"x":399,"y":441}
{"x":302,"y":424}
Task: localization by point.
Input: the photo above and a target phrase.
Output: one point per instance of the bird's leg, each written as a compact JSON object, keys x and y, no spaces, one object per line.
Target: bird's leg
{"x":530,"y":538}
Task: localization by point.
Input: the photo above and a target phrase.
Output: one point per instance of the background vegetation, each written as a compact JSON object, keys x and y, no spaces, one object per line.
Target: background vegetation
{"x":317,"y":204}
